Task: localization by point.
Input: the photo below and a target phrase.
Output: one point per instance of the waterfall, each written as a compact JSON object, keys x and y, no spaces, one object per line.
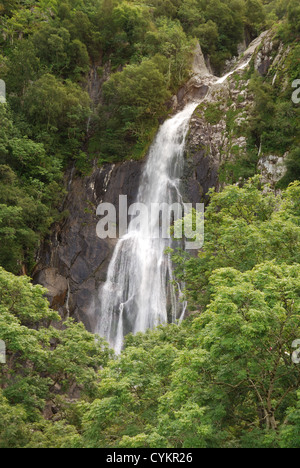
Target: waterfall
{"x":138,"y":293}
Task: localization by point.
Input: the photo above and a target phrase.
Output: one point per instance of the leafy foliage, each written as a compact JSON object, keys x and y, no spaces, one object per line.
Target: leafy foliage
{"x":224,"y":377}
{"x":44,"y":365}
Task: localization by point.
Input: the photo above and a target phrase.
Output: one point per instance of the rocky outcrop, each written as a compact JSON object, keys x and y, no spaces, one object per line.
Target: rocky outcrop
{"x":57,"y":286}
{"x":263,"y":58}
{"x":219,"y":125}
{"x":212,"y":139}
{"x":272,"y":169}
{"x":198,"y":85}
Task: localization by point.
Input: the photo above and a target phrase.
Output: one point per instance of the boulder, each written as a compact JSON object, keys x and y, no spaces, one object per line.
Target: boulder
{"x":56,"y":285}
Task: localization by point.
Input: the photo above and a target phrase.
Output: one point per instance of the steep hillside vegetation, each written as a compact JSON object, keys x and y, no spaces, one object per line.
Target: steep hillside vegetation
{"x":88,"y":82}
{"x":49,"y":122}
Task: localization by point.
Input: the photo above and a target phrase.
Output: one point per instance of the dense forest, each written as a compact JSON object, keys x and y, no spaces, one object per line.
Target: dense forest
{"x":223,"y":378}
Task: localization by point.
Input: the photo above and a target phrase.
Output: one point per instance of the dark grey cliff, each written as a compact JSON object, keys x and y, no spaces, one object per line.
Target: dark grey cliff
{"x":73,"y":261}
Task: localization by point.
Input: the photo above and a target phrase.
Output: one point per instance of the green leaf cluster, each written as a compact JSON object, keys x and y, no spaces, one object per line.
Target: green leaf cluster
{"x":47,"y":363}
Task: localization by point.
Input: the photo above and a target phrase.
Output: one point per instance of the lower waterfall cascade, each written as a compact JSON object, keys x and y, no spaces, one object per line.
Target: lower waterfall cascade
{"x":138,"y":293}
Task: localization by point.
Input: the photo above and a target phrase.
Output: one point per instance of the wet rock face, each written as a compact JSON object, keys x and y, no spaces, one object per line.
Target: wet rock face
{"x":264,"y":59}
{"x":202,"y":166}
{"x":200,"y":176}
{"x":196,"y":89}
{"x":74,"y":260}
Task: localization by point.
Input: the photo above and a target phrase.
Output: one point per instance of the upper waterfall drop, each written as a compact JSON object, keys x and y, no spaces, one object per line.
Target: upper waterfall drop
{"x":138,"y":293}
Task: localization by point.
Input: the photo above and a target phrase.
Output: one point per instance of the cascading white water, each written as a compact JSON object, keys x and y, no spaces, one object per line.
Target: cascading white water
{"x":138,"y":293}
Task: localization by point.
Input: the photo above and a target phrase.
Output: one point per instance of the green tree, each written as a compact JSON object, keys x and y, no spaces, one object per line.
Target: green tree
{"x":14,"y":432}
{"x":43,"y":365}
{"x":294,"y":15}
{"x":23,"y":67}
{"x":134,"y":101}
{"x":58,"y":112}
{"x":249,"y":328}
{"x":208,"y":35}
{"x":224,"y":378}
{"x":290,"y":434}
{"x":255,"y":17}
{"x":65,"y":106}
{"x":169,"y":40}
{"x":243,"y":227}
